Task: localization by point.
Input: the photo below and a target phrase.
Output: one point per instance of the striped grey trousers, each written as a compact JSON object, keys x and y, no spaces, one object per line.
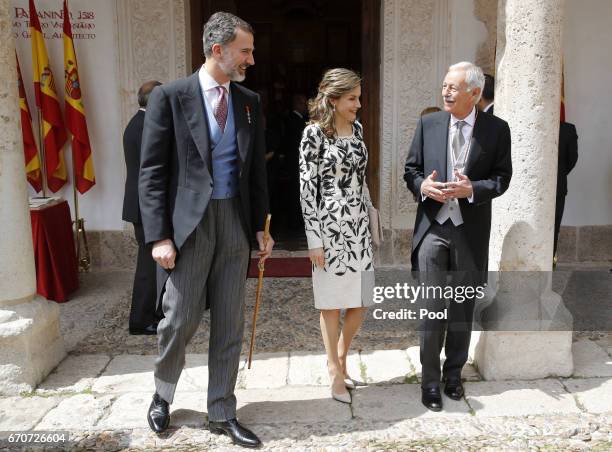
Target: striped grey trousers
{"x":212,"y":267}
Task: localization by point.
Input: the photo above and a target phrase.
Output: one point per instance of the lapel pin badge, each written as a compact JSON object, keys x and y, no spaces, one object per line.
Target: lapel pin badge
{"x":248,"y":112}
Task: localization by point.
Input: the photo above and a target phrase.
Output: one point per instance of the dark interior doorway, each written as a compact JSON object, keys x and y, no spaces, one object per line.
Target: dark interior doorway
{"x":295,"y":42}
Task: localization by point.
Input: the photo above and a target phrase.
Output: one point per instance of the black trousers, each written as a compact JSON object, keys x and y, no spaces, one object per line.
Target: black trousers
{"x":445,"y":260}
{"x":559,"y":207}
{"x":144,"y":293}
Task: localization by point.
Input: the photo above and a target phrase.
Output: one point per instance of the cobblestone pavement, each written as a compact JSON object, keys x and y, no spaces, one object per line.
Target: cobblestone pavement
{"x":100,"y":393}
{"x":287,"y":320}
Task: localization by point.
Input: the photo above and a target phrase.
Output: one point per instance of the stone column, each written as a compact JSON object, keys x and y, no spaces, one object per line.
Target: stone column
{"x":30,"y":342}
{"x":527,"y":95}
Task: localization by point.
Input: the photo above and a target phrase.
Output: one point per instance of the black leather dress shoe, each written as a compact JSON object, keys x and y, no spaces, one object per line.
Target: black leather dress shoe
{"x":148,"y":330}
{"x":454,"y":389}
{"x":239,"y":435}
{"x":159,"y":414}
{"x":431,"y":398}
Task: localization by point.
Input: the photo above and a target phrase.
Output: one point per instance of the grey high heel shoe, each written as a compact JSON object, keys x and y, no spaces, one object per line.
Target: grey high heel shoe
{"x":344,"y":397}
{"x":349,"y":383}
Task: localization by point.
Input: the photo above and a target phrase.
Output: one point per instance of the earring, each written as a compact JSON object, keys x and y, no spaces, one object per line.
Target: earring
{"x":334,"y":108}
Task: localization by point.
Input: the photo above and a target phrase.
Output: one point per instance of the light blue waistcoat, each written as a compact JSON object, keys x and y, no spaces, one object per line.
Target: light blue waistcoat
{"x":224,"y":148}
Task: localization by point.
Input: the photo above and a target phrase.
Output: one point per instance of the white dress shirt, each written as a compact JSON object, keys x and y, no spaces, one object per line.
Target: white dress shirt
{"x":208,"y":86}
{"x":487,"y":108}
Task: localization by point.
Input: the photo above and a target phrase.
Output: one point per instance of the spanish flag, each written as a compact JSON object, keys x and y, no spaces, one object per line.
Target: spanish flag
{"x":562,"y":111}
{"x":32,"y":163}
{"x":54,"y":134}
{"x":75,"y":113}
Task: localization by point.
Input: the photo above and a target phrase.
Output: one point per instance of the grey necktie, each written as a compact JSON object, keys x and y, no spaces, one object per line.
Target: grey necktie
{"x":458,"y":141}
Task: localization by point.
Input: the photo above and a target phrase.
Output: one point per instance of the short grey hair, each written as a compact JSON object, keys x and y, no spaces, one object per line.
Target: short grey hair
{"x":474,"y":77}
{"x":221,"y":29}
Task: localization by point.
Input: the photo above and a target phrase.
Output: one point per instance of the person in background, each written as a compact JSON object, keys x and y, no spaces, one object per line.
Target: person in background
{"x":485,"y":104}
{"x":144,"y":316}
{"x":567,"y":158}
{"x":429,"y":110}
{"x":295,"y":122}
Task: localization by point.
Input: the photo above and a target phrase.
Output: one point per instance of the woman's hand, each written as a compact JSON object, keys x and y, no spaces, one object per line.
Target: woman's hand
{"x":317,"y":257}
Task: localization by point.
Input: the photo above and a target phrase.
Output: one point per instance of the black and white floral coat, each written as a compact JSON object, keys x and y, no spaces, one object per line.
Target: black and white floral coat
{"x":335,"y":200}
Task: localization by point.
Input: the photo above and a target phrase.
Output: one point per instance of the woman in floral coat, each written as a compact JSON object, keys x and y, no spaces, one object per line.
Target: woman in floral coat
{"x":335,"y":201}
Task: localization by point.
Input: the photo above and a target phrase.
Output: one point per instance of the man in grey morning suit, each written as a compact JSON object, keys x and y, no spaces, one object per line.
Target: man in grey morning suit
{"x":458,"y":162}
{"x":203,"y":191}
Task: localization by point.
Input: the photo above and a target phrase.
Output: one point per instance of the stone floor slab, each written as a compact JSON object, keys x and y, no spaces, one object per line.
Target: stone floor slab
{"x":415,"y":360}
{"x":306,"y":368}
{"x":74,"y":374}
{"x":127,"y":373}
{"x":79,"y":412}
{"x":189,"y":409}
{"x":590,"y":360}
{"x":386,"y":366}
{"x":23,"y":413}
{"x":594,"y":394}
{"x":398,"y":402}
{"x":605,"y":343}
{"x":519,"y":398}
{"x":134,"y":373}
{"x":268,"y":370}
{"x":291,"y":404}
{"x":128,"y":411}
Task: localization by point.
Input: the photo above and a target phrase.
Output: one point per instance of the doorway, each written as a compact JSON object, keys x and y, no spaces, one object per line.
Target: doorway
{"x":295,"y":42}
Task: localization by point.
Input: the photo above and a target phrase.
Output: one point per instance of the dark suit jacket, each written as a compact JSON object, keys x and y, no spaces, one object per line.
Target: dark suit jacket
{"x":175,"y":175}
{"x":488,"y":166}
{"x":294,"y":127}
{"x":568,"y":155}
{"x":132,"y":139}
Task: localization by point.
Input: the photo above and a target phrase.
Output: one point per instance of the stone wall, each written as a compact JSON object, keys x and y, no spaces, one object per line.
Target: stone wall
{"x":415,"y":45}
{"x":154,"y":44}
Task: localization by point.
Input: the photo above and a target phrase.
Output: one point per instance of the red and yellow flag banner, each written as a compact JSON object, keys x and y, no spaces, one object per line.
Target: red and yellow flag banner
{"x":32,"y":162}
{"x":75,"y":113}
{"x":562,"y":112}
{"x":53,"y":131}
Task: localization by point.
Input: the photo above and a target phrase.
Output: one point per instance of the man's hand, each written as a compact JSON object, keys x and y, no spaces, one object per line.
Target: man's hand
{"x":264,"y":251}
{"x":433,"y":189}
{"x":460,"y":189}
{"x":317,"y":257}
{"x":164,"y":253}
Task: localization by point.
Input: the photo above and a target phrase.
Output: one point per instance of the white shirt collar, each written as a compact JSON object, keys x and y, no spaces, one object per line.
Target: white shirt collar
{"x":299,"y":114}
{"x":141,"y":109}
{"x":207,"y":82}
{"x":469,"y":119}
{"x":488,"y":107}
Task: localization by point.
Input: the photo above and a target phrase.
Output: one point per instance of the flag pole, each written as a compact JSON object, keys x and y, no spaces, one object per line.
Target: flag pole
{"x":41,"y":153}
{"x":82,"y":252}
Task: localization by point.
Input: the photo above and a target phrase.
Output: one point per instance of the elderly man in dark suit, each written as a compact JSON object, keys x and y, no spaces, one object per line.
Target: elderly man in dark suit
{"x":203,"y":195}
{"x":458,"y":162}
{"x":143,"y":315}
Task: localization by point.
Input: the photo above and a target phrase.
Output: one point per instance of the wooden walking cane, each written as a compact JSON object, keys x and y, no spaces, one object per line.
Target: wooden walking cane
{"x":260,"y":266}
